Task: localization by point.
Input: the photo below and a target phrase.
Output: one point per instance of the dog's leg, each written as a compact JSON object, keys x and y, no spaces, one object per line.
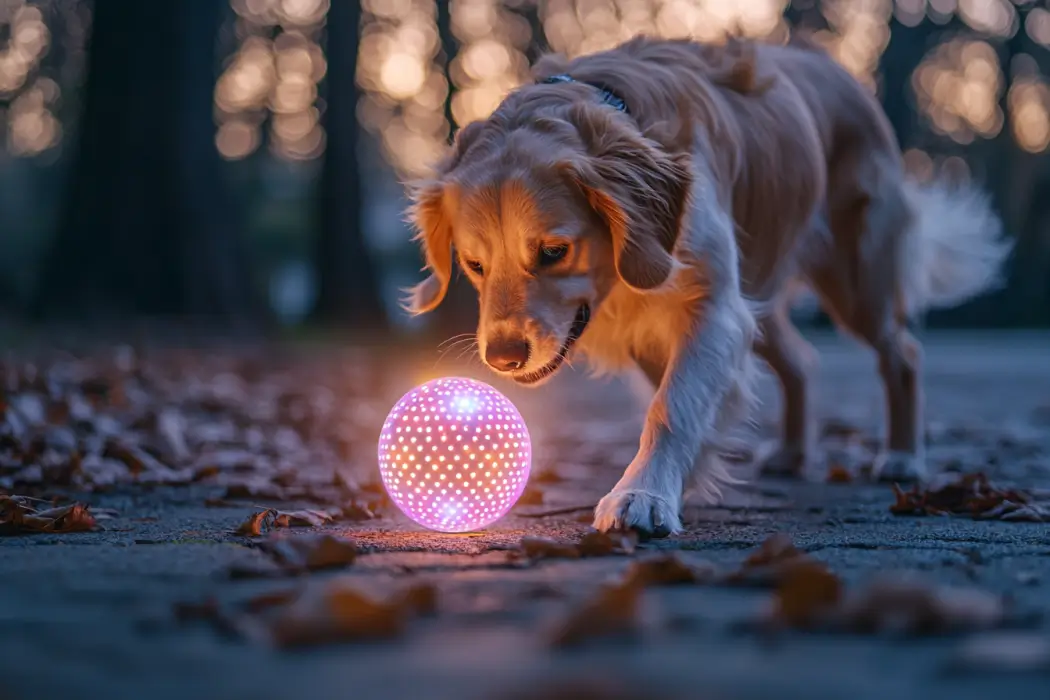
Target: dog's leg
{"x":864,"y":300}
{"x":703,"y":379}
{"x":789,"y":356}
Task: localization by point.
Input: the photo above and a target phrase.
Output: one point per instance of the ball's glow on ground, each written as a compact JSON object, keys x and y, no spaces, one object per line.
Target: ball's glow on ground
{"x":454,"y":454}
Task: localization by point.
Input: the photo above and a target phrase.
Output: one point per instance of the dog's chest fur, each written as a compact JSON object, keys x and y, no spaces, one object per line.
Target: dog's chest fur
{"x":631,"y":327}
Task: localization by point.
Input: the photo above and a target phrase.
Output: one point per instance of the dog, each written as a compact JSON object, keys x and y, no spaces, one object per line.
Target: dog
{"x":657,"y":206}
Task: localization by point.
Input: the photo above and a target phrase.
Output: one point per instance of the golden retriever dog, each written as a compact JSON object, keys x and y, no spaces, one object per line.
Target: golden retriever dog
{"x":656,"y":205}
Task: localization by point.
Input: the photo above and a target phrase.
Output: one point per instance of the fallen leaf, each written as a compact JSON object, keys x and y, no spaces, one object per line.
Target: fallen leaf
{"x":302,"y":518}
{"x":806,"y":593}
{"x":356,"y":512}
{"x":612,"y":612}
{"x":421,"y":599}
{"x":271,"y":599}
{"x":547,"y":476}
{"x":838,"y":474}
{"x":601,"y":544}
{"x":17,"y":516}
{"x":766,"y":566}
{"x":545,"y":548}
{"x":310,"y":553}
{"x":256,"y":524}
{"x":337,"y":613}
{"x":775,"y":549}
{"x":530,"y":497}
{"x":669,"y":570}
{"x":907,"y":605}
{"x":968,"y":494}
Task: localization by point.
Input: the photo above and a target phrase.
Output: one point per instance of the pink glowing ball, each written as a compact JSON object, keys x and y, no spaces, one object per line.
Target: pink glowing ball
{"x":454,"y":454}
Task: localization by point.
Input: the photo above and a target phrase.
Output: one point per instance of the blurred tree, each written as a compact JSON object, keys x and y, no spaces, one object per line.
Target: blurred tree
{"x":148,"y":225}
{"x":458,"y":313}
{"x":349,"y":291}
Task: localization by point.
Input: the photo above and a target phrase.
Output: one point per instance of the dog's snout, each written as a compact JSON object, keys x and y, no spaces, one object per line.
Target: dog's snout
{"x":507,"y":354}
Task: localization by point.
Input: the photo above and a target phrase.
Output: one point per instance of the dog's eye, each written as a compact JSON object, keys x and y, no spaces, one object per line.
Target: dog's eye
{"x":550,"y":254}
{"x":475,"y":267}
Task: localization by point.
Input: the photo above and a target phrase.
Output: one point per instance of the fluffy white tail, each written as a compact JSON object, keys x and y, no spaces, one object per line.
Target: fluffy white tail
{"x":955,"y":249}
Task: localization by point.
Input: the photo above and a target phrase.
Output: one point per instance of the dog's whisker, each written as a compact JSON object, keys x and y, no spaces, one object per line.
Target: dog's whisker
{"x":455,"y":339}
{"x":466,"y":341}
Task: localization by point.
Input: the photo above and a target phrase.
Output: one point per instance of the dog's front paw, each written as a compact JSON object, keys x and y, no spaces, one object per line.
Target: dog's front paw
{"x":899,"y":466}
{"x":647,"y":513}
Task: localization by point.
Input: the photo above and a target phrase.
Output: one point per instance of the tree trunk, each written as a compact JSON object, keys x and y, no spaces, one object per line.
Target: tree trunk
{"x":349,"y":294}
{"x":148,"y":225}
{"x":458,"y":313}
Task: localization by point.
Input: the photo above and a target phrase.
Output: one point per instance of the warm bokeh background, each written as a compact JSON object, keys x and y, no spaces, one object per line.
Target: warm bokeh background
{"x":242,"y":162}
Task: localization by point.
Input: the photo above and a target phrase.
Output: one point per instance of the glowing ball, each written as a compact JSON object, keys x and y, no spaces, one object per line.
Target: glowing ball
{"x":454,"y":454}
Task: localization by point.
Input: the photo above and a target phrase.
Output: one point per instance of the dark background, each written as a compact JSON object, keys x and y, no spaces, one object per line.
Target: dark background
{"x":240,"y":164}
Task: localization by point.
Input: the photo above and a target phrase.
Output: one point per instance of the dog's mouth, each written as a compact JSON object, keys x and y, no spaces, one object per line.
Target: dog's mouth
{"x":579,"y":324}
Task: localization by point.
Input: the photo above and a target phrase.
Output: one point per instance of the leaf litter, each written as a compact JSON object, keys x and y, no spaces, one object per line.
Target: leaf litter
{"x":971,"y":495}
{"x":19,"y":515}
{"x":332,"y":612}
{"x":806,"y":595}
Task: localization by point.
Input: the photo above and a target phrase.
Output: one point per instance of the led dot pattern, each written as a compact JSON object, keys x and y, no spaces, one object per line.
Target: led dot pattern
{"x":454,"y":454}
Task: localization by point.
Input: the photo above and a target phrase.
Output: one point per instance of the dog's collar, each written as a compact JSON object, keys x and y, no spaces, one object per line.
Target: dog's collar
{"x":608,"y":96}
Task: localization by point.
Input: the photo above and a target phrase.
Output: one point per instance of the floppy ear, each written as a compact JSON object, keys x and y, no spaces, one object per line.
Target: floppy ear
{"x":434,"y":235}
{"x":639,"y":190}
{"x":429,"y":214}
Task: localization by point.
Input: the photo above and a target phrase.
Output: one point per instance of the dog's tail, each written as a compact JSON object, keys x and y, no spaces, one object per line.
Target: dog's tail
{"x":955,"y":248}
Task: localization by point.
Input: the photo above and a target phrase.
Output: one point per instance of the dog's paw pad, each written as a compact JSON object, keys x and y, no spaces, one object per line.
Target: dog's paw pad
{"x":899,"y":466}
{"x":646,"y":513}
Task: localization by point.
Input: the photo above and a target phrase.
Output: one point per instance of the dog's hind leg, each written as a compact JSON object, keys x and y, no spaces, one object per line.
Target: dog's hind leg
{"x":790,"y":357}
{"x":859,"y":287}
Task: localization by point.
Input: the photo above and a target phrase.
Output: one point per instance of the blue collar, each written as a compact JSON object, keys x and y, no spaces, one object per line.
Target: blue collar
{"x":608,"y":96}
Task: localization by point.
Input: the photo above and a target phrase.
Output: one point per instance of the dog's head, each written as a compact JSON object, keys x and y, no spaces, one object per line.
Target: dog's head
{"x":545,"y":213}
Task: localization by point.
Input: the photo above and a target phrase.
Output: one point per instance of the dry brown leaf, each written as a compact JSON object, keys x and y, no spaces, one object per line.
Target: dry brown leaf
{"x":421,"y":599}
{"x":271,"y":599}
{"x":601,"y":544}
{"x":546,"y":548}
{"x":17,"y":516}
{"x":612,"y":612}
{"x":669,"y":570}
{"x":256,"y":524}
{"x":838,"y":474}
{"x":908,"y":605}
{"x":806,"y":594}
{"x":775,"y":549}
{"x":968,"y":494}
{"x":766,"y":566}
{"x":310,"y":553}
{"x":337,"y":613}
{"x":302,"y":518}
{"x":547,"y":476}
{"x":530,"y":497}
{"x":356,"y":512}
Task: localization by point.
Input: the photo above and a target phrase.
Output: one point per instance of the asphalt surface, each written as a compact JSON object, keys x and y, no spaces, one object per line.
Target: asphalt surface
{"x":91,"y":615}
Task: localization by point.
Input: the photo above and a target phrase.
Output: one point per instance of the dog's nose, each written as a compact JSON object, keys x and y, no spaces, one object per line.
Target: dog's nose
{"x":507,"y":354}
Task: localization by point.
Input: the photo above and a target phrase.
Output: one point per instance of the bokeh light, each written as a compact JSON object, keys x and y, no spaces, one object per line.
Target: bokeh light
{"x":454,"y":454}
{"x":958,"y":86}
{"x":271,"y":80}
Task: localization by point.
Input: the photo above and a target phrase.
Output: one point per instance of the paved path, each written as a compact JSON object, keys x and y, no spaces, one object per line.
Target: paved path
{"x":90,"y":615}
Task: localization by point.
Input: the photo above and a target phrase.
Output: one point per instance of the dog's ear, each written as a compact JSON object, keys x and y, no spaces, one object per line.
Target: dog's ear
{"x":638,"y":189}
{"x":428,"y":214}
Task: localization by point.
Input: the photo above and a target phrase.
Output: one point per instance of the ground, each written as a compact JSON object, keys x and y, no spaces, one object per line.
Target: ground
{"x":95,"y":614}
